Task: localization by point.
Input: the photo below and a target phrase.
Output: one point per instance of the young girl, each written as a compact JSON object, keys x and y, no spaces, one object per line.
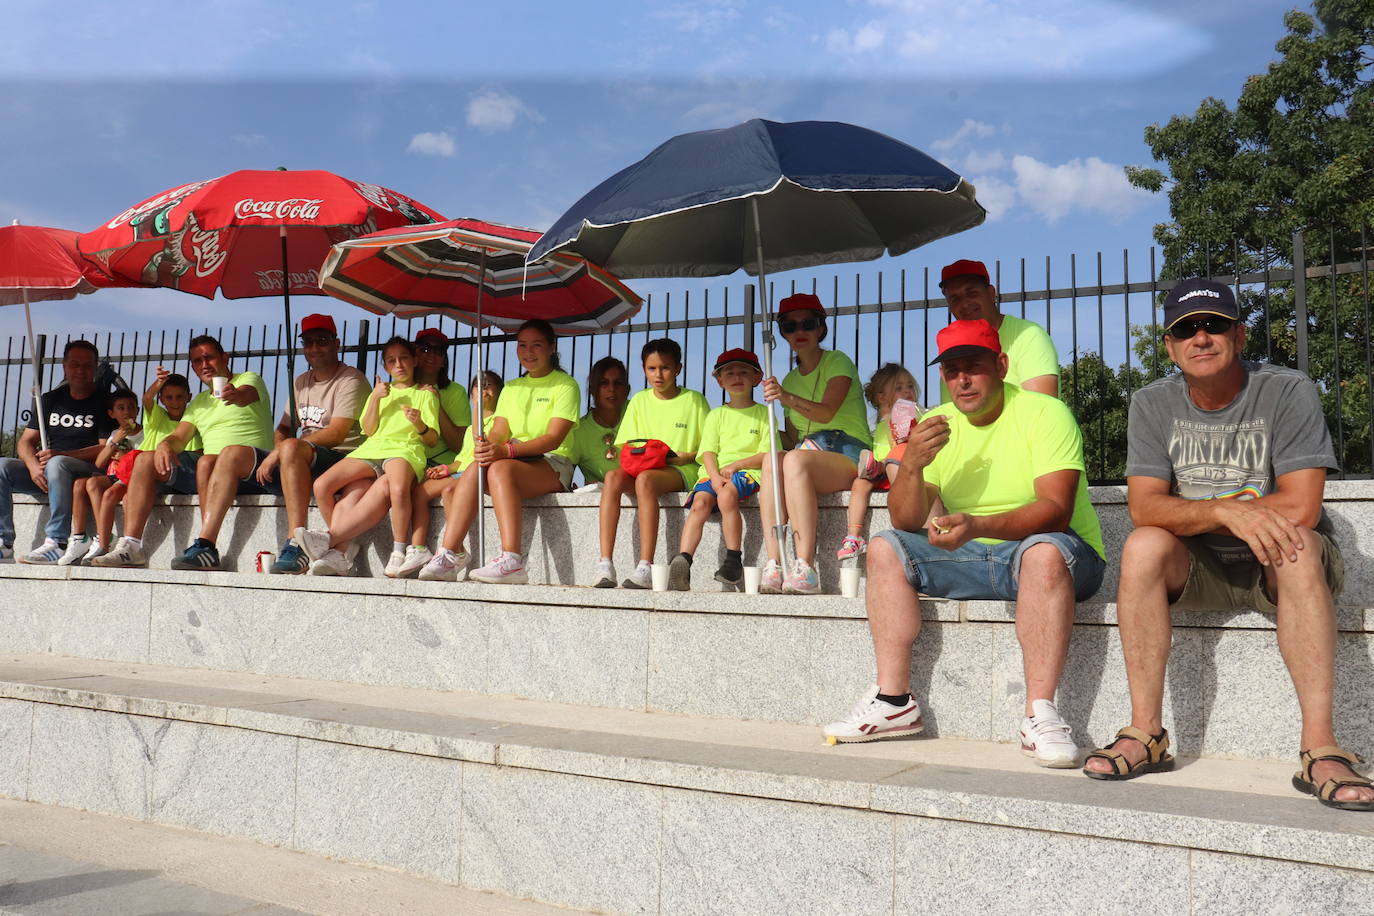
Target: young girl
{"x":528,"y":453}
{"x":828,"y":425}
{"x":438,"y":478}
{"x":89,"y":491}
{"x":887,"y":385}
{"x":400,"y":422}
{"x":672,"y":415}
{"x":594,"y":449}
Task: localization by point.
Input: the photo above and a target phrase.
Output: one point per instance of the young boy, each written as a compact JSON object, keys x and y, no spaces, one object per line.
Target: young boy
{"x":734,"y":444}
{"x":665,"y":412}
{"x":104,"y":492}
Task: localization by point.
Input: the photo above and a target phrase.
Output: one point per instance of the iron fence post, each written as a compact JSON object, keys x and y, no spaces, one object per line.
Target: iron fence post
{"x":40,"y":346}
{"x":364,"y":329}
{"x":749,"y":318}
{"x":1300,"y":300}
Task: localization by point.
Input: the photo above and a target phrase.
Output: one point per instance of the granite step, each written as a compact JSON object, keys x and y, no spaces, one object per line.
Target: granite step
{"x":759,"y":657}
{"x":628,"y":811}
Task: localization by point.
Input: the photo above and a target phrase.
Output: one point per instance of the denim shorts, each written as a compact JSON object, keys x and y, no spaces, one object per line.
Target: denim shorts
{"x":183,"y":478}
{"x":834,"y":440}
{"x":990,"y":572}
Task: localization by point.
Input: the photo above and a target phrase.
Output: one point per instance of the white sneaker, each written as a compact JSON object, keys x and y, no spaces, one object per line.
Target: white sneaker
{"x":77,"y":548}
{"x":97,"y":550}
{"x":770,"y":578}
{"x":122,"y":555}
{"x":45,"y":554}
{"x":393,"y":564}
{"x":1046,"y":739}
{"x":642,"y":577}
{"x":507,"y":569}
{"x":331,"y":563}
{"x":314,"y":543}
{"x":605,"y":574}
{"x":872,"y":719}
{"x":415,"y":560}
{"x":446,"y":566}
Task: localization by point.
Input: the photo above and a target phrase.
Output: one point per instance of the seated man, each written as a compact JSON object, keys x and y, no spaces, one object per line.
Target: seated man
{"x":231,"y":427}
{"x":329,"y":399}
{"x":1008,"y":466}
{"x":1225,"y":467}
{"x":77,"y":425}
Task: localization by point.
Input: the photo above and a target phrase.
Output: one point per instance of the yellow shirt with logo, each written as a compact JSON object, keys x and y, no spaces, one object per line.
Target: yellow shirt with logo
{"x":528,"y":405}
{"x":221,"y":425}
{"x":732,"y":433}
{"x":678,"y":421}
{"x":851,"y":418}
{"x":397,"y":437}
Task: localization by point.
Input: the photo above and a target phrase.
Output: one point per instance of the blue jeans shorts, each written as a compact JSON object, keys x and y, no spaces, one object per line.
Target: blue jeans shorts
{"x":745,"y":486}
{"x":183,"y":479}
{"x":990,"y":572}
{"x":834,"y":440}
{"x":321,"y":460}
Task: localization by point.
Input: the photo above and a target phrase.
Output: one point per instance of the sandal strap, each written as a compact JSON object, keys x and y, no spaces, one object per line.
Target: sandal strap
{"x":1325,"y":752}
{"x":1120,"y":765}
{"x":1156,"y":746}
{"x":1335,"y":783}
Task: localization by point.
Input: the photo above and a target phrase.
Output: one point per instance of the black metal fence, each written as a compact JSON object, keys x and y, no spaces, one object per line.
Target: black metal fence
{"x":1102,"y":313}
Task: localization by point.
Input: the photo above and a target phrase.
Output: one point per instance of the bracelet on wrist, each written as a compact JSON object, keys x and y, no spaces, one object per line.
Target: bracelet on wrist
{"x":510,"y":449}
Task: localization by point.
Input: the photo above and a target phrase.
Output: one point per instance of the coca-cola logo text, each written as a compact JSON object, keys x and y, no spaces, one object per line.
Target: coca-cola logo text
{"x":208,"y":254}
{"x":156,"y":203}
{"x":295,"y":208}
{"x":270,"y":280}
{"x":373,"y":193}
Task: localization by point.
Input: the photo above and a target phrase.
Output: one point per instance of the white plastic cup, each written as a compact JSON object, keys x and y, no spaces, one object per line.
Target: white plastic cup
{"x":752,"y":577}
{"x":849,"y":581}
{"x":217,"y":385}
{"x":660,"y":577}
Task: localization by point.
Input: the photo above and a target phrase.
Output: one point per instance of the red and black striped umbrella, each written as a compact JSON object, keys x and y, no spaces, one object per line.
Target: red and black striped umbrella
{"x":457,"y":267}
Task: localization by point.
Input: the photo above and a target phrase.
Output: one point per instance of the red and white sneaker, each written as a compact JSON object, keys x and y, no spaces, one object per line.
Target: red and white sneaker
{"x":1046,"y":739}
{"x":872,"y":719}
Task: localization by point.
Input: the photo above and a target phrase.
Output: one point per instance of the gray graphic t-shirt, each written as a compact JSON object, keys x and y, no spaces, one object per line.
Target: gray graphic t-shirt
{"x":1273,"y":427}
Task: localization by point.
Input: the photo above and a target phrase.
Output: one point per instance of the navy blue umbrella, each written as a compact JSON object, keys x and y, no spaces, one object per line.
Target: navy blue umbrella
{"x":764,"y":196}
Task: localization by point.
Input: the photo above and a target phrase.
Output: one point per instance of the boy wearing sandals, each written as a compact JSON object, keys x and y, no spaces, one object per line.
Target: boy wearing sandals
{"x":1226,"y":463}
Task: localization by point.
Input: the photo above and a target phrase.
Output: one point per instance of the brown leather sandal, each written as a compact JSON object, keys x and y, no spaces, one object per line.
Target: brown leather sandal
{"x":1157,"y":758}
{"x":1326,"y":792}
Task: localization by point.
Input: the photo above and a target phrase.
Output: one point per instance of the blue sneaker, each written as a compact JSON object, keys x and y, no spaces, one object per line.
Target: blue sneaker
{"x":45,"y":554}
{"x":291,"y":561}
{"x":202,"y":555}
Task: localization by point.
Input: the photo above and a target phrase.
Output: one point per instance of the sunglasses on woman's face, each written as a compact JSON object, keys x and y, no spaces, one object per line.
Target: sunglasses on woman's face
{"x":428,"y":348}
{"x":1213,"y":324}
{"x":806,"y":324}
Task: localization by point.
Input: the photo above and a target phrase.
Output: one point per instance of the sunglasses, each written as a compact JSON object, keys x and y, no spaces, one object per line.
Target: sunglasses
{"x":806,"y":324}
{"x":1214,"y":324}
{"x":429,"y":348}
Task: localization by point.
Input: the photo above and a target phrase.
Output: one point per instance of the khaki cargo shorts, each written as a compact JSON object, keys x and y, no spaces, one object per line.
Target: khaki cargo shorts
{"x":1216,"y":586}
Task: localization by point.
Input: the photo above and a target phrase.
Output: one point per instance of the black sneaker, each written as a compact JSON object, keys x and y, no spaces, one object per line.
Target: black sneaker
{"x":679,"y":574}
{"x":731,"y":572}
{"x":201,"y":555}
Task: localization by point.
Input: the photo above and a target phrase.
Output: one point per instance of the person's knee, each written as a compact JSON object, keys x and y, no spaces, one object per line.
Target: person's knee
{"x":645,"y":487}
{"x":1148,"y":545}
{"x":794,"y":462}
{"x":1044,"y":563}
{"x":60,"y":466}
{"x":884,"y":561}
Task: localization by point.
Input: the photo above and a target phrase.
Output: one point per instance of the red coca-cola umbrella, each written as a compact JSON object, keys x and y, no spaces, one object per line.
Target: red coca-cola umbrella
{"x":38,"y":264}
{"x":249,"y":233}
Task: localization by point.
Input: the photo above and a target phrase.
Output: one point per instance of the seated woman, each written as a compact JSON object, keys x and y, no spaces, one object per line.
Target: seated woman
{"x":594,"y":450}
{"x":399,"y":422}
{"x":527,"y":454}
{"x":826,"y":428}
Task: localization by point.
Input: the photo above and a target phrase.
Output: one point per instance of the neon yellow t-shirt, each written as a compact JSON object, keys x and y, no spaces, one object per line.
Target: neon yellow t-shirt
{"x":851,"y":418}
{"x":453,"y":401}
{"x":991,"y":469}
{"x":1030,"y":352}
{"x":732,"y":433}
{"x":157,"y":425}
{"x":221,"y":425}
{"x":678,"y":422}
{"x":464,"y":456}
{"x":589,"y":448}
{"x":397,"y":437}
{"x":529,"y":404}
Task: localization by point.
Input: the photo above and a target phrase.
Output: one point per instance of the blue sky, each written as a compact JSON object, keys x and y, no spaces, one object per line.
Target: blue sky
{"x":510,"y":112}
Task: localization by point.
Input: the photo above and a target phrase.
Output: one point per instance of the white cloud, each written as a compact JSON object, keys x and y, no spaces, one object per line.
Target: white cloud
{"x":868,"y":37}
{"x":1089,"y":184}
{"x":431,"y":143}
{"x":969,"y":129}
{"x":493,"y":110}
{"x":996,"y":196}
{"x":976,"y":162}
{"x":704,"y":16}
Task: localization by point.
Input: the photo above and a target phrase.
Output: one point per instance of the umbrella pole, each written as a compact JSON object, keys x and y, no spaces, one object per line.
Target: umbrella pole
{"x":37,"y":392}
{"x":481,"y":385}
{"x":782,"y":530}
{"x":290,"y":338}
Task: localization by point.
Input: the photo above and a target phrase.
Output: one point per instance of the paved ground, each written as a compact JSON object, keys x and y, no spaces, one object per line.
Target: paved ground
{"x":59,"y":861}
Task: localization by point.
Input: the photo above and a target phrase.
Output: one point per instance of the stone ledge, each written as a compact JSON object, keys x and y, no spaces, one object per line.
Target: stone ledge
{"x":1222,"y":806}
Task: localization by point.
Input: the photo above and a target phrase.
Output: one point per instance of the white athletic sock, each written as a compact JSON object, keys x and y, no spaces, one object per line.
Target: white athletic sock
{"x":133,"y":541}
{"x":398,"y":546}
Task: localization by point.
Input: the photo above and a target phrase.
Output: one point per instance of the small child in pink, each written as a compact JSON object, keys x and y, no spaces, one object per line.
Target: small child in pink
{"x":893,"y":391}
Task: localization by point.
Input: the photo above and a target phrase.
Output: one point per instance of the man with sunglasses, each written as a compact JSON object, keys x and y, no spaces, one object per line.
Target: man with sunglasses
{"x":329,"y":399}
{"x":1226,"y":464}
{"x":1032,"y":361}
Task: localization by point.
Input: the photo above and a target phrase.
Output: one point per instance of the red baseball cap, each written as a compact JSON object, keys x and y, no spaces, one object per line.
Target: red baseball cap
{"x":736,"y":355}
{"x":966,"y":338}
{"x":964,"y":268}
{"x":798,"y":302}
{"x":433,"y":335}
{"x":318,"y":323}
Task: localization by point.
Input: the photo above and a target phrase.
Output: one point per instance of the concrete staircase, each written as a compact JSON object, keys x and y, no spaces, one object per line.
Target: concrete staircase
{"x":640,"y":752}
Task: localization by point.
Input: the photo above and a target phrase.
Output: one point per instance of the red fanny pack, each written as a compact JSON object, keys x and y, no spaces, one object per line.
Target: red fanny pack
{"x":640,"y":455}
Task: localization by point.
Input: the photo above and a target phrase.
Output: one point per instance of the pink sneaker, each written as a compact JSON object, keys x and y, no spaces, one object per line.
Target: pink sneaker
{"x":770,"y":579}
{"x":507,"y":569}
{"x":904,"y":413}
{"x":869,"y":467}
{"x":851,"y":547}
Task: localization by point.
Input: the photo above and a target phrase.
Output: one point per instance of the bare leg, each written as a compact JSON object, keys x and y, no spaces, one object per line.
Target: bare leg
{"x":1154,"y":569}
{"x":293,"y":473}
{"x":105,"y":513}
{"x":859,"y":491}
{"x":766,"y":513}
{"x":421,"y":496}
{"x":649,"y":486}
{"x":808,"y":474}
{"x":894,"y":617}
{"x":328,"y":484}
{"x":731,"y":521}
{"x":81,"y":503}
{"x":400,"y":477}
{"x":512,"y":482}
{"x":616,"y":484}
{"x":702,"y":504}
{"x":1044,"y":620}
{"x":235,"y":463}
{"x":460,"y":508}
{"x":205,"y":469}
{"x":95,"y":488}
{"x":365,"y":504}
{"x":138,"y":504}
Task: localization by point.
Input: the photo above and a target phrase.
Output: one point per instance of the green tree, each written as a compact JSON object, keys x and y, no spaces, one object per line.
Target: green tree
{"x":1295,"y":154}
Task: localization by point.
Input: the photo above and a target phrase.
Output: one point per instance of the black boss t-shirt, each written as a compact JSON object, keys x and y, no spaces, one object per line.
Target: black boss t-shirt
{"x":73,"y":423}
